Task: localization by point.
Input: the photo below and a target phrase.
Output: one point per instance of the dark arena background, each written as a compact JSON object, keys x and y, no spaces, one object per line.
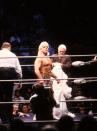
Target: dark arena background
{"x":26,"y":23}
{"x":57,"y":22}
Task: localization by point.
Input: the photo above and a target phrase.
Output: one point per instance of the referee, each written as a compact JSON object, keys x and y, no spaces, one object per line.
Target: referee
{"x":9,"y":69}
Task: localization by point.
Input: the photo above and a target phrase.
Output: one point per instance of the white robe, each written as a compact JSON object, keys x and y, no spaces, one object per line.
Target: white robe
{"x":61,"y":91}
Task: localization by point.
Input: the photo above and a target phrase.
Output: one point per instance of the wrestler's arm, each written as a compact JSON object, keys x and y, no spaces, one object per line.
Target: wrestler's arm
{"x":37,"y":66}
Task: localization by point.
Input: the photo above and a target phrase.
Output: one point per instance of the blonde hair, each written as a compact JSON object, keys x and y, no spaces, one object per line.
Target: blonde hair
{"x":43,"y":43}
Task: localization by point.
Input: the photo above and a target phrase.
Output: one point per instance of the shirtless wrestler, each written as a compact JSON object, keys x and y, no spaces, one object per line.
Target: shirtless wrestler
{"x":43,"y":104}
{"x":43,"y":65}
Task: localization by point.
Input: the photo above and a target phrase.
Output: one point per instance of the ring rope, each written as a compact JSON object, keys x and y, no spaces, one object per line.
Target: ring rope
{"x":28,"y":101}
{"x":86,"y":81}
{"x":25,"y":83}
{"x":20,"y":80}
{"x":80,"y":100}
{"x":86,"y":55}
{"x":15,"y":102}
{"x":28,"y":65}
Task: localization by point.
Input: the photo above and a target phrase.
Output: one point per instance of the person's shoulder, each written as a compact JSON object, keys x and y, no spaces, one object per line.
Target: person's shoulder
{"x":54,"y":54}
{"x":13,"y":54}
{"x":37,"y":60}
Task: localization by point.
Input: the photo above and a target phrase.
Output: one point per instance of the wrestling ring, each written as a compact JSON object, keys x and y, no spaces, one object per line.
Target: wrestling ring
{"x":78,"y":102}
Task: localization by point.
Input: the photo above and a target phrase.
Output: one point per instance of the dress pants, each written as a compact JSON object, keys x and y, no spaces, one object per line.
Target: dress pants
{"x":6,"y":89}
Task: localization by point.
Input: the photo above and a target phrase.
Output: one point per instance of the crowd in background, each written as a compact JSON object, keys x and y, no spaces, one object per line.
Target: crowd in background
{"x":64,"y":123}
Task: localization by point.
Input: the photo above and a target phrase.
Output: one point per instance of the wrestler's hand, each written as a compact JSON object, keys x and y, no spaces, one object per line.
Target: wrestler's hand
{"x":95,"y":59}
{"x":41,"y":82}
